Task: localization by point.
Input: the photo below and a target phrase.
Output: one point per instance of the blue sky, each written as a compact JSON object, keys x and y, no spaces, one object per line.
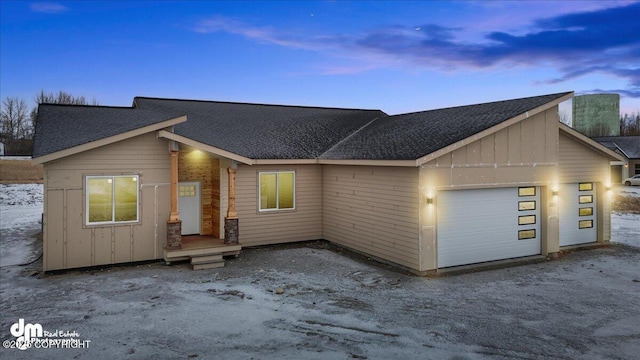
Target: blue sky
{"x":394,"y":56}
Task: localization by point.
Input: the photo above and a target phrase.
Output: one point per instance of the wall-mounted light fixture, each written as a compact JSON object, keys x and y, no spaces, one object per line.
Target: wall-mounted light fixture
{"x":429,"y":200}
{"x":554,"y":192}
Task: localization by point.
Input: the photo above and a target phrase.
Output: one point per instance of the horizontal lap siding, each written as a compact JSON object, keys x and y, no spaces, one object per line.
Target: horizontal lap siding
{"x":579,"y":163}
{"x":373,"y":210}
{"x":69,"y":243}
{"x":303,"y":223}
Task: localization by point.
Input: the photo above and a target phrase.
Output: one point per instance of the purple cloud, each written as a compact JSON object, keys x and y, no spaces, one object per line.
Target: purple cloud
{"x":601,"y":41}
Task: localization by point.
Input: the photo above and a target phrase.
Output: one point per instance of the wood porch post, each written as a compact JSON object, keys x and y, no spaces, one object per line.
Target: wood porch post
{"x":174,"y":224}
{"x":231,"y":229}
{"x":231,"y":210}
{"x":175,"y":215}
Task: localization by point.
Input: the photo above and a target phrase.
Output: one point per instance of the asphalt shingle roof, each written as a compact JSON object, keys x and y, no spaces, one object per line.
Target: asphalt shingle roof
{"x":60,"y":127}
{"x":628,"y":145}
{"x":260,"y":131}
{"x":411,"y":136}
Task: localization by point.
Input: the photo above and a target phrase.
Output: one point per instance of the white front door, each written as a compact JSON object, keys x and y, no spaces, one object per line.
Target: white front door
{"x":578,"y":216}
{"x":189,"y":207}
{"x":489,"y":224}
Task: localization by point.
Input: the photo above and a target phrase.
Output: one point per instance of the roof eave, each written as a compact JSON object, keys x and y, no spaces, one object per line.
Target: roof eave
{"x":447,"y":149}
{"x":204,"y":147}
{"x":363,"y":162}
{"x":108,"y":140}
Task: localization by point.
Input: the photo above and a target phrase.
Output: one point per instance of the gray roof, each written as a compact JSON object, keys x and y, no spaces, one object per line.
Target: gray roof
{"x":411,"y":136}
{"x":60,"y":127}
{"x":259,"y":131}
{"x":629,"y":146}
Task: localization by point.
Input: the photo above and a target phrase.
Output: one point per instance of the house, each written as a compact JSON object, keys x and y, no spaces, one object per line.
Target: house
{"x":424,"y":191}
{"x":629,"y":148}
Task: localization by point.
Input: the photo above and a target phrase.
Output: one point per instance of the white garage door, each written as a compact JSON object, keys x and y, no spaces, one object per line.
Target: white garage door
{"x":488,"y":224}
{"x":578,"y":219}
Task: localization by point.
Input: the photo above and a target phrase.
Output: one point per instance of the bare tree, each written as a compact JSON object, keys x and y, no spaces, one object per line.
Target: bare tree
{"x":15,"y":120}
{"x":630,"y":124}
{"x":565,"y":118}
{"x":61,"y":97}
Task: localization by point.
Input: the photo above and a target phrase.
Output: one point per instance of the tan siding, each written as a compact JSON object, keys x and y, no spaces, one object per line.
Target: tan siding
{"x":373,"y":210}
{"x":579,"y":163}
{"x":510,"y":156}
{"x":303,"y":223}
{"x":69,"y":243}
{"x":523,"y":153}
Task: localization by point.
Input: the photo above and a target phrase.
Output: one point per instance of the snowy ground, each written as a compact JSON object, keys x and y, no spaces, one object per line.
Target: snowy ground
{"x":584,"y":305}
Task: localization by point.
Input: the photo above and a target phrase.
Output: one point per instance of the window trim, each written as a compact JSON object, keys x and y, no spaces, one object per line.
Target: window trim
{"x":113,"y":222}
{"x":277,"y":208}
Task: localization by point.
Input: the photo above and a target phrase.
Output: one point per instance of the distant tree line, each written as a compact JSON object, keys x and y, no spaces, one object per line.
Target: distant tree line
{"x":630,"y":124}
{"x":17,"y":119}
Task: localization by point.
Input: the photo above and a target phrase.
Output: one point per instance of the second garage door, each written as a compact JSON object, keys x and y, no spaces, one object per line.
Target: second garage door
{"x":487,"y":224}
{"x":578,"y":220}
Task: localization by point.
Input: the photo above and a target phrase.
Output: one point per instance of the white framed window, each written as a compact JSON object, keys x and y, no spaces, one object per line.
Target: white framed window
{"x":276,"y":190}
{"x":112,"y":199}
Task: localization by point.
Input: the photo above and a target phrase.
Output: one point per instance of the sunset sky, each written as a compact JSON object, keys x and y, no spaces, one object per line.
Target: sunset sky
{"x":395,"y":56}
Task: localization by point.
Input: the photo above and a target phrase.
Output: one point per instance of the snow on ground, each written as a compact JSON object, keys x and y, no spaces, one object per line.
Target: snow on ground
{"x":335,"y":305}
{"x":20,"y":214}
{"x":625,"y":227}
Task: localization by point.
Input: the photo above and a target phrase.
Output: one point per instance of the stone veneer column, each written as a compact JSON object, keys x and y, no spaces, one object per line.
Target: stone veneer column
{"x":174,"y":234}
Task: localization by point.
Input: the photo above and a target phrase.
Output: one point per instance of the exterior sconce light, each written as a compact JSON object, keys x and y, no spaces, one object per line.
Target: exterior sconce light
{"x":554,"y":193}
{"x":429,"y":200}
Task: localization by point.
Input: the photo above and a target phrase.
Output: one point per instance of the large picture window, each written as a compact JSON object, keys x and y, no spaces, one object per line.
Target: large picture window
{"x":277,"y":190}
{"x":112,"y":199}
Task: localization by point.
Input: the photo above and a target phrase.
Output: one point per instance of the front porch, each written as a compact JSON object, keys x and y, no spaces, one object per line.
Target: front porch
{"x":204,"y":252}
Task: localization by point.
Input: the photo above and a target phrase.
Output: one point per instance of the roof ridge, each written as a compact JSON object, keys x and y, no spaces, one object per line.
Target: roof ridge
{"x":350,"y":135}
{"x":256,"y":104}
{"x":484,"y":103}
{"x":89,"y":106}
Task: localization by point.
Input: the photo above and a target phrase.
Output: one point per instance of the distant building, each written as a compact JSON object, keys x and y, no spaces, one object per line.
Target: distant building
{"x":627,"y":146}
{"x":597,"y":114}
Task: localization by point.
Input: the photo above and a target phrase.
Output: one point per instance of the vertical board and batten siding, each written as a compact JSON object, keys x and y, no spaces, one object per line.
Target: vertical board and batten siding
{"x":578,"y":163}
{"x":522,"y":154}
{"x":69,"y":243}
{"x":373,"y":210}
{"x":274,"y":227}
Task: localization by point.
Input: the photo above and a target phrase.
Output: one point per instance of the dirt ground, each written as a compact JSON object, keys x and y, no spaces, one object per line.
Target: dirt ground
{"x":584,"y":305}
{"x":312,"y":301}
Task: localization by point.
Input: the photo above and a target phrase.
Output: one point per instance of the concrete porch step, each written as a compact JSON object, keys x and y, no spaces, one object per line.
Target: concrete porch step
{"x":207,"y":266}
{"x":207,"y":259}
